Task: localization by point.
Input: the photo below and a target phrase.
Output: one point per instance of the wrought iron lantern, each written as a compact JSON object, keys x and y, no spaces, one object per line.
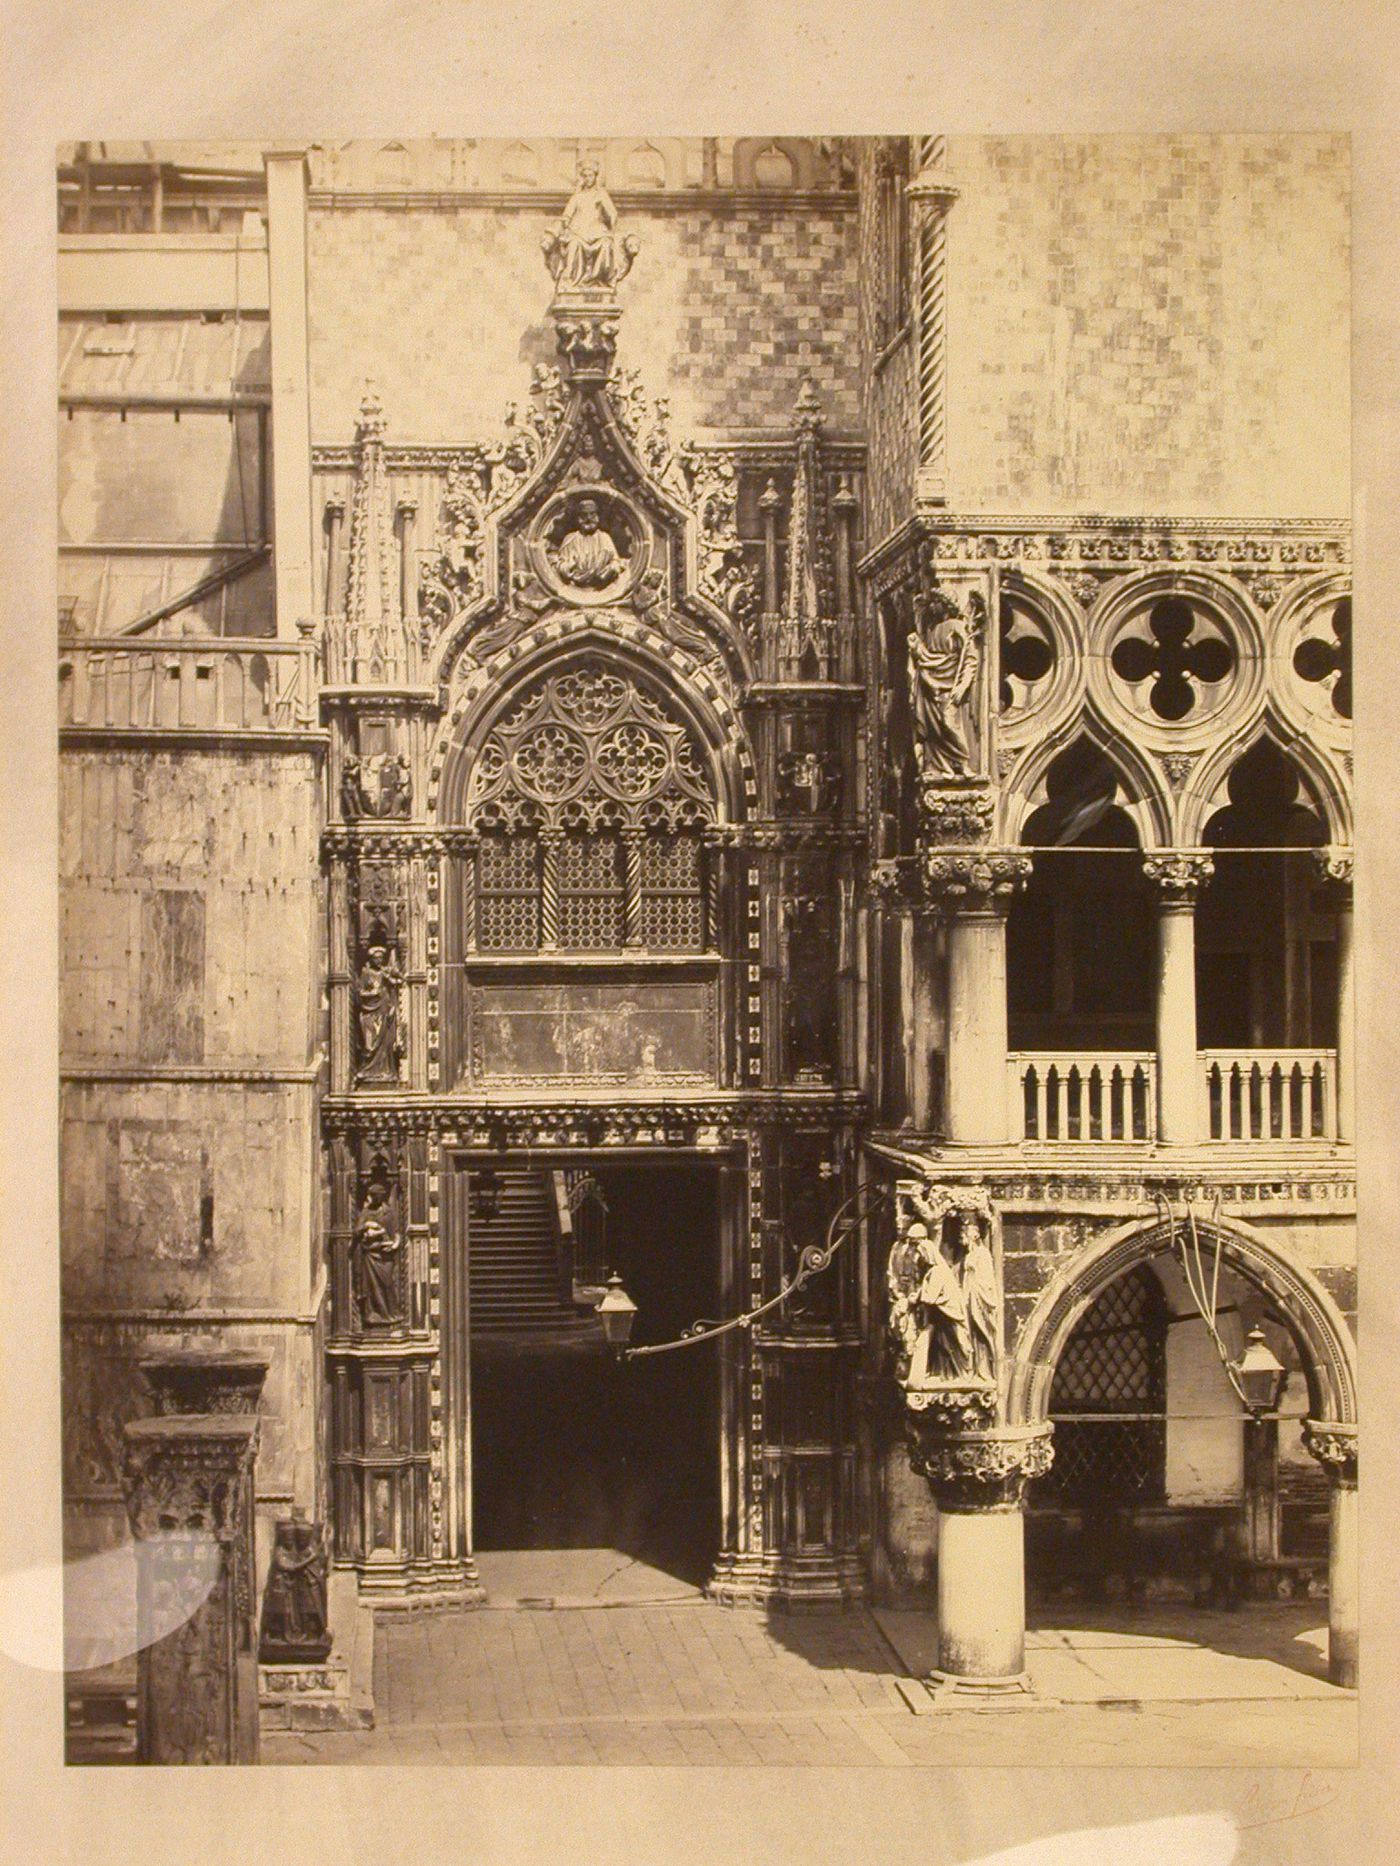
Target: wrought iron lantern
{"x":617,"y":1312}
{"x":485,"y":1194}
{"x":1260,"y":1374}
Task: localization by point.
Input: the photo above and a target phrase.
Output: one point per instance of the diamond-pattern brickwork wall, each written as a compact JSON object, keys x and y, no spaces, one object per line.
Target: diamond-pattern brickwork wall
{"x":1124,"y":312}
{"x":725,"y":311}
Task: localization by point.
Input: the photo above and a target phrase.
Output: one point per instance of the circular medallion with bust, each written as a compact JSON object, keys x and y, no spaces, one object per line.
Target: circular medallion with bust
{"x":589,"y":547}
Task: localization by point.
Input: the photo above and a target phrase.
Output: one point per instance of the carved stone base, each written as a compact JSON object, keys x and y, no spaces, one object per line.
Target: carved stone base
{"x":398,"y":1586}
{"x":796,"y":1583}
{"x":948,"y":1691}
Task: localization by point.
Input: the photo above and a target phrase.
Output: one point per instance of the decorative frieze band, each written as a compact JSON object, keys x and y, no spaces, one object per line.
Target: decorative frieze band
{"x":1064,"y":545}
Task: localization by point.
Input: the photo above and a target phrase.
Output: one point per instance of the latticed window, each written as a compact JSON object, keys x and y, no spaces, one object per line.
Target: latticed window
{"x":591,"y":900}
{"x":591,"y":799}
{"x":1109,"y":1400}
{"x":508,"y":894}
{"x":672,"y":902}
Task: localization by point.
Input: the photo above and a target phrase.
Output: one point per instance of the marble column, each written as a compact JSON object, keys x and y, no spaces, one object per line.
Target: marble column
{"x":978,"y":1478}
{"x":973,"y":888}
{"x":188,"y":1481}
{"x":1334,"y":1446}
{"x":1178,"y":875}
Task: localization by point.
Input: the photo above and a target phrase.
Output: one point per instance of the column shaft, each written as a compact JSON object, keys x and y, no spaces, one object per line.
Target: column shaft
{"x":1179,"y":875}
{"x":982,"y":1594}
{"x":976,"y":1098}
{"x":1343,"y":1586}
{"x":1177,"y":1092}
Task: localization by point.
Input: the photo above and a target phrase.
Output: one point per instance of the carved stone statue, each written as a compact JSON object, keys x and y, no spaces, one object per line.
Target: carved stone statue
{"x":945,"y":1302}
{"x":587,"y":555}
{"x":377,"y":1247}
{"x":395,"y":787}
{"x":377,"y":1015}
{"x":945,"y":657}
{"x":983,"y":1297}
{"x":583,"y":252}
{"x":295,"y":1627}
{"x":352,"y":795}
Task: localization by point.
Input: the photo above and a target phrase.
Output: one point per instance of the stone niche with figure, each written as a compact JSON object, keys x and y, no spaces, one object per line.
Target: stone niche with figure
{"x":589,"y":546}
{"x":944,"y":1288}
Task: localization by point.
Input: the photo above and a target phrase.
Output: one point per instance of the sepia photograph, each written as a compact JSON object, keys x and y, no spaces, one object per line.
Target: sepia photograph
{"x":707,"y":1035}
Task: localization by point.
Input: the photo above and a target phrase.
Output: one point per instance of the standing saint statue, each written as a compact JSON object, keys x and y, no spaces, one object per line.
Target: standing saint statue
{"x":587,"y":555}
{"x":583,"y":252}
{"x":377,"y":1246}
{"x":945,"y":655}
{"x":377,"y":1016}
{"x":982,"y":1297}
{"x":943,"y":1348}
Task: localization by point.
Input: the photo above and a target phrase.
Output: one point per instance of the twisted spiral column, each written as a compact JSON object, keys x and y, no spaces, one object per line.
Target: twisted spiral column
{"x":932,"y":194}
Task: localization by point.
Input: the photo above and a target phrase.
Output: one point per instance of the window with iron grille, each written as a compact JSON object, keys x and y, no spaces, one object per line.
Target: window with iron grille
{"x":508,"y":901}
{"x":672,"y":917}
{"x":590,"y":893}
{"x":1108,"y":1402}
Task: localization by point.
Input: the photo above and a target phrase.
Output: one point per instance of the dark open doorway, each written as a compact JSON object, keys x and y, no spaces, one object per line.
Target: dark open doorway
{"x":572,"y":1449}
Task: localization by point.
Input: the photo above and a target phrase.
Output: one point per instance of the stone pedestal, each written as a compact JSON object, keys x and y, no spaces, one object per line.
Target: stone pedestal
{"x":978,"y":1480}
{"x":200,"y":1381}
{"x":1334,"y":1447}
{"x":188,"y":1484}
{"x":1179,"y":876}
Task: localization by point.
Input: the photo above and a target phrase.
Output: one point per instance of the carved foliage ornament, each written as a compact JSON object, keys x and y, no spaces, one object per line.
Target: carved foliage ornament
{"x":976,"y":880}
{"x":1179,"y":874}
{"x":979,"y":1469}
{"x":1334,"y":1447}
{"x":187,"y":1482}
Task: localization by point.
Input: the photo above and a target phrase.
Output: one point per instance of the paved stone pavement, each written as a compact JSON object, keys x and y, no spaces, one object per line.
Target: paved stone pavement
{"x":689,"y":1682}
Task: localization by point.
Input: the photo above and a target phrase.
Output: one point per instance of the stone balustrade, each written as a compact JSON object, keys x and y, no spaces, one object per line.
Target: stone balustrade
{"x":138,"y":684}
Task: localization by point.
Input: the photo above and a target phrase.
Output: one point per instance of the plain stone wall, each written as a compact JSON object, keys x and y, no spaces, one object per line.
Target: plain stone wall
{"x":1149,"y":324}
{"x":190,"y":903}
{"x":725,"y":310}
{"x":192,"y":906}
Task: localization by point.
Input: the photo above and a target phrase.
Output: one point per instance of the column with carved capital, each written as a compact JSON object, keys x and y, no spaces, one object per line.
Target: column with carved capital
{"x":1335,"y":867}
{"x":978,"y":1478}
{"x":1334,"y":1446}
{"x":973,"y":889}
{"x":187,"y":1481}
{"x":1178,"y":875}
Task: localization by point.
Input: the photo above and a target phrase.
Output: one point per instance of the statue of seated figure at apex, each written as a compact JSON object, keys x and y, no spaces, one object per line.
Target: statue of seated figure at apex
{"x":584,"y":252}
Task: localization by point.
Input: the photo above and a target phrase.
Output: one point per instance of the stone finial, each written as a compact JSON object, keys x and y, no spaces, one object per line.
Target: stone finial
{"x":370,"y":423}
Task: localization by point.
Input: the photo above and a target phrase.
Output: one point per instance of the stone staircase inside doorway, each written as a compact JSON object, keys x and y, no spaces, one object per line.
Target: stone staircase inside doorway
{"x":520,"y":1285}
